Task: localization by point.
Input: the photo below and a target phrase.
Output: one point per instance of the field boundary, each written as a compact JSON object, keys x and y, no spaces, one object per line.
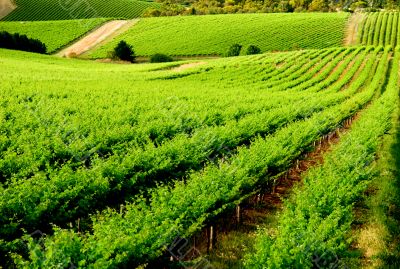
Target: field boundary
{"x":96,"y":37}
{"x":6,"y":7}
{"x":352,"y":29}
{"x":112,"y":35}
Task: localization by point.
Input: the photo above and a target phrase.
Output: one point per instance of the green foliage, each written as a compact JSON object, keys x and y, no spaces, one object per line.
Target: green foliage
{"x":43,"y":10}
{"x":55,"y":34}
{"x":214,"y":34}
{"x":21,"y":42}
{"x":164,"y":141}
{"x":160,"y":58}
{"x":252,"y":49}
{"x":380,"y":28}
{"x":124,"y":52}
{"x":315,"y":223}
{"x":234,"y":50}
{"x":167,"y":9}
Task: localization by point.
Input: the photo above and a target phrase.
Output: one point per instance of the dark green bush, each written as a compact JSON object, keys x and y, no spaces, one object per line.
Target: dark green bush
{"x":234,"y":50}
{"x":252,"y":49}
{"x":124,"y":52}
{"x":160,"y":58}
{"x":21,"y":42}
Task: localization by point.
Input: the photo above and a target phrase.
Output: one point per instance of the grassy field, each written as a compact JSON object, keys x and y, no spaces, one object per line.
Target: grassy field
{"x":55,"y":34}
{"x":214,"y":34}
{"x":42,"y":10}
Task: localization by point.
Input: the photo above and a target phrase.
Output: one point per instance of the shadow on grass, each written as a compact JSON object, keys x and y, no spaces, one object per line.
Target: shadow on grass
{"x":391,"y":258}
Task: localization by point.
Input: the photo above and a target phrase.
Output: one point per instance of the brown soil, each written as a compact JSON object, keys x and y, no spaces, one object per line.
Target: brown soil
{"x":183,"y":67}
{"x":6,"y":7}
{"x":97,"y":37}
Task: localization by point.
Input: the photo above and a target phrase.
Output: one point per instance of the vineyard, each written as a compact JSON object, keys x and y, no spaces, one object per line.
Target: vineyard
{"x":130,"y":152}
{"x":55,"y":34}
{"x":380,"y":29}
{"x":270,"y":32}
{"x":107,"y":165}
{"x":43,"y":10}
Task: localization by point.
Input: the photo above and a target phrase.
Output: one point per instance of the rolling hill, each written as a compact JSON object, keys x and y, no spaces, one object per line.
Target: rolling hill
{"x":41,"y":10}
{"x":54,"y":34}
{"x":213,"y":34}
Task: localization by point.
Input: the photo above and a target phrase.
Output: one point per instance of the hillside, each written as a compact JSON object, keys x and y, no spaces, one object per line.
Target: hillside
{"x":284,"y":159}
{"x":213,"y":34}
{"x":42,"y":10}
{"x":149,"y":127}
{"x":55,"y":34}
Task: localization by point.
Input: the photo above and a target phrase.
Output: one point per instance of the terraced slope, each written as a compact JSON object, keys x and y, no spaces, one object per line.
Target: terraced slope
{"x":55,"y":34}
{"x":42,"y":10}
{"x":213,"y":34}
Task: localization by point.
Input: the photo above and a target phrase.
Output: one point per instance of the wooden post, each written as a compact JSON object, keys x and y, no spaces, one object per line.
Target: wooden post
{"x":211,"y":239}
{"x":238,"y":214}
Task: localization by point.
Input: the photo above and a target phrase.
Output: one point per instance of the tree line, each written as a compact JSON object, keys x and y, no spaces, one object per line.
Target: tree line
{"x":204,"y":7}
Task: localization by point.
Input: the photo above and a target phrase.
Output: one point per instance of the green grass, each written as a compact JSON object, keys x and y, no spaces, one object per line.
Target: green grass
{"x":380,"y":237}
{"x":41,"y":10}
{"x":213,"y":34}
{"x":55,"y":34}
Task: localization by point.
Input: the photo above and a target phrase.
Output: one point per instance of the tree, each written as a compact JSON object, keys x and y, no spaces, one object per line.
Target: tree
{"x":252,"y":49}
{"x":160,"y":58}
{"x":21,"y":42}
{"x":124,"y":52}
{"x":234,"y":50}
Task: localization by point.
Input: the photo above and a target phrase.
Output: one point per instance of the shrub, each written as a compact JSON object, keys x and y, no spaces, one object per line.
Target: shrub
{"x":160,"y":58}
{"x":252,"y":49}
{"x":21,"y":42}
{"x":234,"y":50}
{"x":124,"y":52}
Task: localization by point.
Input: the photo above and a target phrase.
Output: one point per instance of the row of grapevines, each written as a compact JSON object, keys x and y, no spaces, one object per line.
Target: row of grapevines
{"x":314,"y":225}
{"x":380,"y":29}
{"x":146,"y":225}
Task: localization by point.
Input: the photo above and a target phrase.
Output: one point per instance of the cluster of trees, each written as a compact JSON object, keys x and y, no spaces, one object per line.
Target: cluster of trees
{"x":125,"y":52}
{"x":21,"y":42}
{"x":202,"y":7}
{"x":237,"y":49}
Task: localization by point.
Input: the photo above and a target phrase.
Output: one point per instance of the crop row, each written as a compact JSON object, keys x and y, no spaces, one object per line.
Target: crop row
{"x":130,"y":169}
{"x":312,"y":230}
{"x":147,"y":224}
{"x":380,"y":29}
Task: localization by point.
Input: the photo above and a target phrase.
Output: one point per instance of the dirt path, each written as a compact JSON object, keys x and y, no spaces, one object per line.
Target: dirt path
{"x":183,"y":67}
{"x":97,"y":37}
{"x":6,"y":7}
{"x":353,"y":29}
